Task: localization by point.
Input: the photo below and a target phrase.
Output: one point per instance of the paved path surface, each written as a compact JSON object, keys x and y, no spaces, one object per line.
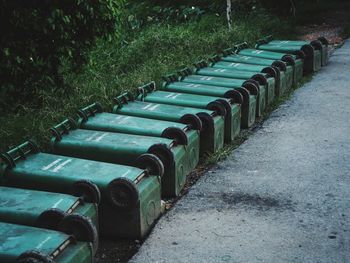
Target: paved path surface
{"x":282,"y":196}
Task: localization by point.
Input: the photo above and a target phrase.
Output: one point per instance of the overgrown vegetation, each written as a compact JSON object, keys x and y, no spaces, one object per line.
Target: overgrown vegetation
{"x":37,"y":35}
{"x":157,"y":37}
{"x":146,"y":55}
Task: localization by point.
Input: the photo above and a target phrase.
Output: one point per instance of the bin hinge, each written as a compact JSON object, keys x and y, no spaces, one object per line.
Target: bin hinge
{"x":63,"y":128}
{"x":90,"y":110}
{"x":170,"y":78}
{"x":122,"y":99}
{"x":214,"y":58}
{"x":145,"y":89}
{"x":19,"y":152}
{"x":200,"y":64}
{"x":264,"y":40}
{"x":228,"y":51}
{"x":184,"y":72}
{"x":240,"y":46}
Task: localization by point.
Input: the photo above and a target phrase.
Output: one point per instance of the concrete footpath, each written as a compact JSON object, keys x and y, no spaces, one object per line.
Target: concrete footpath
{"x":282,"y":196}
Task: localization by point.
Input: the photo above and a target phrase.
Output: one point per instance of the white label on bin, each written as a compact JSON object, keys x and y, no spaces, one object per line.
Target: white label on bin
{"x":121,"y":119}
{"x":94,"y":137}
{"x":147,"y":106}
{"x":173,"y":95}
{"x":126,"y":173}
{"x":56,"y":165}
{"x":47,"y":167}
{"x":59,"y":167}
{"x":101,"y":137}
{"x":234,"y":64}
{"x":192,"y":85}
{"x":206,"y":78}
{"x":43,"y":242}
{"x":220,"y":70}
{"x":153,"y":107}
{"x":57,"y":203}
{"x":257,"y":51}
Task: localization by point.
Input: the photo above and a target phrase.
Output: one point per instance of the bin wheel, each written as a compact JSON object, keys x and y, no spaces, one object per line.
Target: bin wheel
{"x":34,"y":257}
{"x":176,"y":134}
{"x":81,"y":227}
{"x":50,"y":218}
{"x":151,"y":163}
{"x":88,"y":190}
{"x":217,"y":107}
{"x":270,"y":71}
{"x":192,"y":120}
{"x":122,"y":194}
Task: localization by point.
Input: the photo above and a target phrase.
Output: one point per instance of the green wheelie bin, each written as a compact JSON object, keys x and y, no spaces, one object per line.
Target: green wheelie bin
{"x":312,"y":57}
{"x":320,"y":44}
{"x":26,"y":244}
{"x":92,"y":117}
{"x":172,"y":84}
{"x":284,"y":70}
{"x":202,"y":70}
{"x":270,"y":78}
{"x":54,"y":211}
{"x":126,"y":149}
{"x":296,"y":60}
{"x":129,"y":198}
{"x":210,"y":124}
{"x":229,"y":108}
{"x":186,"y":76}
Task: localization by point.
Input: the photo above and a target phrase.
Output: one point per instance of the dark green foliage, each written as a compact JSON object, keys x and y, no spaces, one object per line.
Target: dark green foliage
{"x":35,"y":35}
{"x":154,"y":51}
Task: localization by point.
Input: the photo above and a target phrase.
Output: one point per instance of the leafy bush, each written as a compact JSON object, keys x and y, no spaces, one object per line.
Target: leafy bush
{"x":36,"y":35}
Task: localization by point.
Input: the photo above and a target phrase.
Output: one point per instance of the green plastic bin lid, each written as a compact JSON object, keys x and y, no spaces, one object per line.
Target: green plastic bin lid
{"x":17,"y":239}
{"x":26,"y":205}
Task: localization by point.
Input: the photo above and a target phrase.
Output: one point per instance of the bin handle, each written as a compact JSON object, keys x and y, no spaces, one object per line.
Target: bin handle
{"x":264,"y":40}
{"x":90,"y":110}
{"x":201,"y":64}
{"x":228,"y":51}
{"x":185,"y":72}
{"x":63,"y":128}
{"x":122,"y":99}
{"x":214,"y":58}
{"x":323,"y":40}
{"x":261,"y":41}
{"x":19,"y":152}
{"x":240,"y":46}
{"x":145,"y":89}
{"x":170,"y":78}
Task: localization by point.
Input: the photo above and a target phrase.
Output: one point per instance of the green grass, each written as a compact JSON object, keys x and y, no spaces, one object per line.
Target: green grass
{"x":153,"y":52}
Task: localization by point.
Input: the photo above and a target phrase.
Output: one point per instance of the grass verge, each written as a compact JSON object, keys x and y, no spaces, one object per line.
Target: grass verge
{"x":150,"y":53}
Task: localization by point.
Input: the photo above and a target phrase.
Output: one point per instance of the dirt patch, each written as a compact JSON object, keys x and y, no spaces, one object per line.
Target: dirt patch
{"x":333,"y":27}
{"x":256,"y":201}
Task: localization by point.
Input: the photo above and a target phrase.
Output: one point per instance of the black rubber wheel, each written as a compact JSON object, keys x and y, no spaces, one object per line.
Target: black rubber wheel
{"x":122,"y":194}
{"x":34,"y":257}
{"x":163,"y":152}
{"x":151,"y":163}
{"x":50,"y":218}
{"x":192,"y":120}
{"x":217,"y":107}
{"x":176,"y":134}
{"x":88,"y":191}
{"x":81,"y":228}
